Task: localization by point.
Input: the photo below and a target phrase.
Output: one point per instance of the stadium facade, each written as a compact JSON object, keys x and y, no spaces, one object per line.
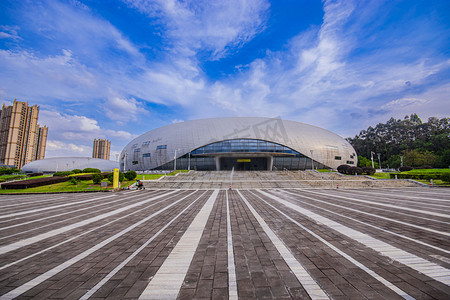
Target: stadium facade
{"x":56,"y":164}
{"x":242,"y":143}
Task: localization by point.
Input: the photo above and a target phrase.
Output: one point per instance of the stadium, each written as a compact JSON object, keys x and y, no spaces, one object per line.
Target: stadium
{"x":242,"y":143}
{"x":55,"y":164}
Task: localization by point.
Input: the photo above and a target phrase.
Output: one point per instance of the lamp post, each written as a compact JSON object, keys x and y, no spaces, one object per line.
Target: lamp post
{"x":312,"y":161}
{"x":189,"y":161}
{"x":175,"y":160}
{"x":379,"y":160}
{"x":371,"y":157}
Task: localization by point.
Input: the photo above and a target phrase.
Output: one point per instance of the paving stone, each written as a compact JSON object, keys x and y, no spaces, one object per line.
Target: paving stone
{"x":260,"y":270}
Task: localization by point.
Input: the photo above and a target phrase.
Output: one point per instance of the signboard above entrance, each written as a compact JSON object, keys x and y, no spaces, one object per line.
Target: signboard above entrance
{"x":244,"y":160}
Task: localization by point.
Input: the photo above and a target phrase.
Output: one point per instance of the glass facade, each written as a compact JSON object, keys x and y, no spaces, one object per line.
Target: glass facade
{"x":244,"y":145}
{"x":204,"y":158}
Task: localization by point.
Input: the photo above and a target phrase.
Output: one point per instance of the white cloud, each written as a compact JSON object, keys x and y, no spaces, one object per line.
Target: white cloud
{"x":9,"y":32}
{"x":314,"y":79}
{"x":76,"y":133}
{"x":213,"y":26}
{"x":122,"y":109}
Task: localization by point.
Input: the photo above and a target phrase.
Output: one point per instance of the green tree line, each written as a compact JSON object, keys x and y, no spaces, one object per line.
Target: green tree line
{"x":418,"y":143}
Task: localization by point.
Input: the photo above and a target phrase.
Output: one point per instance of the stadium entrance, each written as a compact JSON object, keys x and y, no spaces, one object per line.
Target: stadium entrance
{"x":244,"y":163}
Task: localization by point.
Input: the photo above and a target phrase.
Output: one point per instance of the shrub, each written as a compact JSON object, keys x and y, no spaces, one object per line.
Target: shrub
{"x":35,"y":174}
{"x":445,"y":177}
{"x":130,"y":175}
{"x":91,"y":170}
{"x":405,"y":169}
{"x":7,"y":171}
{"x":77,"y":171}
{"x":111,"y":176}
{"x":343,"y":169}
{"x":425,"y":167}
{"x":73,"y":180}
{"x":368,"y":170}
{"x":97,"y":178}
{"x":354,"y":171}
{"x":63,"y":173}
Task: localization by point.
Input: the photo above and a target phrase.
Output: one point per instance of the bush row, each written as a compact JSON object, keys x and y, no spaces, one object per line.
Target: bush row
{"x":26,"y":184}
{"x":346,"y":169}
{"x":77,"y":171}
{"x":8,"y":171}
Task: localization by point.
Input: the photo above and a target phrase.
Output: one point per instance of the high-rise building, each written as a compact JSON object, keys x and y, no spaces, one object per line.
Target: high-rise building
{"x":22,"y":140}
{"x":102,"y":149}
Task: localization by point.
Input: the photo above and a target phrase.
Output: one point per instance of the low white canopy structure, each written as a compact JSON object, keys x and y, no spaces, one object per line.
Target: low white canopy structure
{"x":57,"y":164}
{"x":240,"y":143}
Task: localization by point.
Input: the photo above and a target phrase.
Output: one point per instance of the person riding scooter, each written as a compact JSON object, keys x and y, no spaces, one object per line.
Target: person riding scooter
{"x":139,"y":185}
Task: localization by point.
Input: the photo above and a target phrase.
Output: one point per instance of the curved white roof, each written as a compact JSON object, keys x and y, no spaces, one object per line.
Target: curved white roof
{"x":187,"y":136}
{"x":56,"y":164}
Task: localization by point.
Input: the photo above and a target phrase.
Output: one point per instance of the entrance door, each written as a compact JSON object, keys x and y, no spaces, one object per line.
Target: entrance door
{"x":244,"y":163}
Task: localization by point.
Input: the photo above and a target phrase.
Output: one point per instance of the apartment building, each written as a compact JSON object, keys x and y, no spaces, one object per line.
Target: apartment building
{"x":102,"y":149}
{"x":22,"y":140}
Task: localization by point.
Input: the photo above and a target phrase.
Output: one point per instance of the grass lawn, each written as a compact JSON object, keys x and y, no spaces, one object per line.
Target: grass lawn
{"x":324,"y":170}
{"x":427,"y":171}
{"x":435,"y":182}
{"x":380,"y":175}
{"x":84,"y":185}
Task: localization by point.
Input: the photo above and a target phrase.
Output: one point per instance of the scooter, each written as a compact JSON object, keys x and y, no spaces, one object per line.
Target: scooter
{"x":140,"y":186}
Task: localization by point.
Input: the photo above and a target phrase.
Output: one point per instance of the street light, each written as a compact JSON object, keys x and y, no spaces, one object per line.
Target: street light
{"x":371,"y":157}
{"x":312,"y":161}
{"x":189,"y":161}
{"x":175,"y":160}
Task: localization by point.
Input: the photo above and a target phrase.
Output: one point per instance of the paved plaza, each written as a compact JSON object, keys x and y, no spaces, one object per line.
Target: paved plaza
{"x":298,"y":243}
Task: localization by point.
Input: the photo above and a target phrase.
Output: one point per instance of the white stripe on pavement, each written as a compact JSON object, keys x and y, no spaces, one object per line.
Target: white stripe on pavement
{"x":365,"y":223}
{"x":232,"y":284}
{"x":394,"y":220}
{"x":381,"y":204}
{"x":90,"y":208}
{"x":129,"y":258}
{"x":47,"y":275}
{"x":419,"y":264}
{"x":349,"y":258}
{"x":52,"y":207}
{"x":166,"y":283}
{"x":310,"y":285}
{"x":79,"y":235}
{"x":39,"y":237}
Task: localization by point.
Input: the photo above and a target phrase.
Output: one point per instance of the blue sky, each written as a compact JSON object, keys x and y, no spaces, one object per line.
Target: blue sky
{"x":116,"y":69}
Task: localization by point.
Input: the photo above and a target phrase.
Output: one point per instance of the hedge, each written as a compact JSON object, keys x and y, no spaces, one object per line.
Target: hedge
{"x":89,"y":176}
{"x":26,"y":184}
{"x":91,"y":170}
{"x":417,"y":176}
{"x":63,"y":173}
{"x":343,"y":169}
{"x":368,"y":170}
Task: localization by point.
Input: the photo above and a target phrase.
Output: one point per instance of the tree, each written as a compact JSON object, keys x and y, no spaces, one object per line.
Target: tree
{"x":111,"y":177}
{"x":365,"y":162}
{"x":415,"y":158}
{"x":130,"y":175}
{"x":97,"y":178}
{"x":396,"y":136}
